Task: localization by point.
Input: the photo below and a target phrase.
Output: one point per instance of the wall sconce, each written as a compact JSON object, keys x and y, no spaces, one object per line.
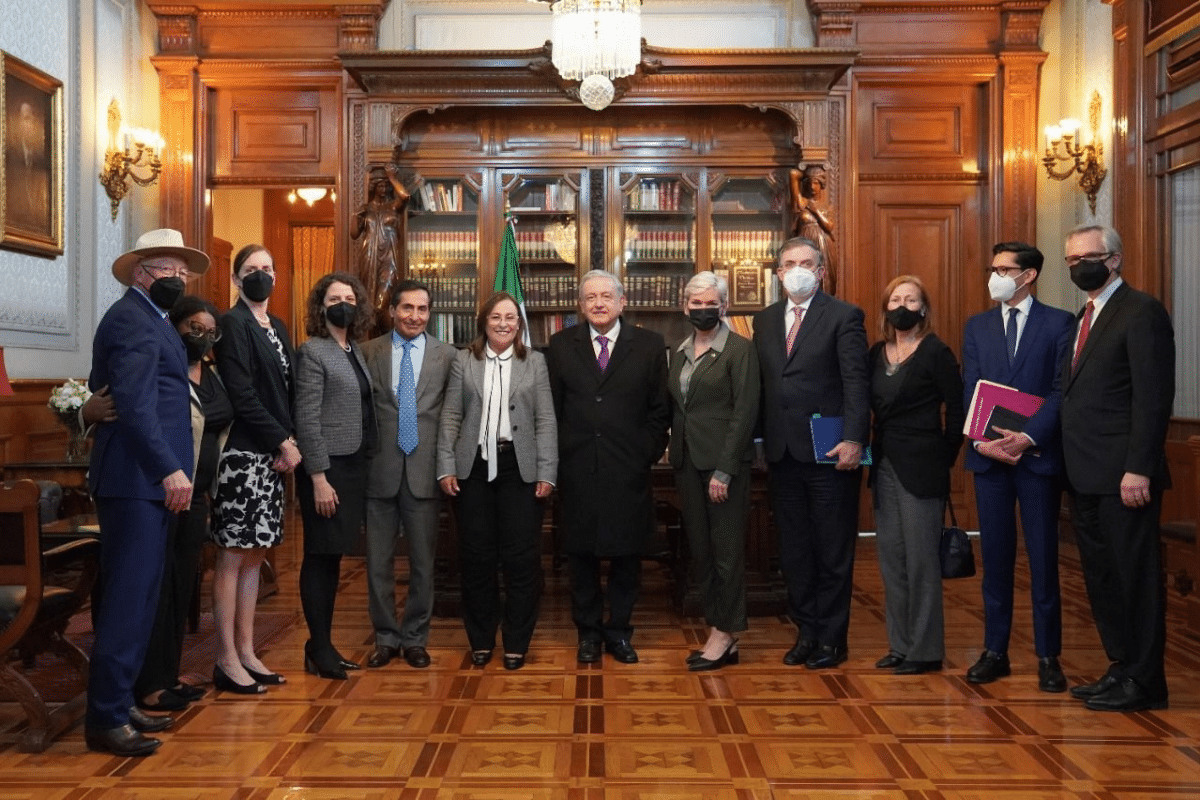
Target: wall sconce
{"x":128,"y":149}
{"x":1086,"y":159}
{"x":310,"y":194}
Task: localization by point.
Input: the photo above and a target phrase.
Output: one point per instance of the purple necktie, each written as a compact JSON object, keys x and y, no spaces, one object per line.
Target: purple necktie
{"x":602,"y":359}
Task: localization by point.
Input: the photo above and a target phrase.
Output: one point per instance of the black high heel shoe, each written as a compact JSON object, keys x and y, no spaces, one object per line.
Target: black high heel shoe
{"x":323,"y":670}
{"x":266,"y":678}
{"x":702,"y":664}
{"x":224,"y":683}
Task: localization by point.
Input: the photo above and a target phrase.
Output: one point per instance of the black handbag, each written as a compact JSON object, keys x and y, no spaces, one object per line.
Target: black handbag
{"x":957,"y":557}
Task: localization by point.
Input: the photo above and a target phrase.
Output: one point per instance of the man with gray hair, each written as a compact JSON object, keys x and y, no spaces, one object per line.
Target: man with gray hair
{"x":609,"y":380}
{"x":1118,"y":387}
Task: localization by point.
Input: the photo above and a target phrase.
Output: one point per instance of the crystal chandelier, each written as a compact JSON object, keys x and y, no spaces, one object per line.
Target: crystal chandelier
{"x":596,"y":37}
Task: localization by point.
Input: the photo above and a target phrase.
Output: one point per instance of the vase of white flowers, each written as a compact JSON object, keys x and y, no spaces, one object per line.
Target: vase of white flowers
{"x":65,"y":401}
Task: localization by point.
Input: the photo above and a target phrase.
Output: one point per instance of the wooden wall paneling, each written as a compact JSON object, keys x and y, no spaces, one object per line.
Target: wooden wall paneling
{"x":1017,"y":160}
{"x":180,"y":186}
{"x":32,"y":432}
{"x":277,"y":237}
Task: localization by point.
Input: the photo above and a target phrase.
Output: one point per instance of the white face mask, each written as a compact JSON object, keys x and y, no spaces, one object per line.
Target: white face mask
{"x":1002,"y":288}
{"x":799,"y":282}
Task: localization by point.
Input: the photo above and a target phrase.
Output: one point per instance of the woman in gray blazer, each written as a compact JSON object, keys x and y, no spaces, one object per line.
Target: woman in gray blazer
{"x":498,"y":456}
{"x":714,"y":388}
{"x":336,"y":431}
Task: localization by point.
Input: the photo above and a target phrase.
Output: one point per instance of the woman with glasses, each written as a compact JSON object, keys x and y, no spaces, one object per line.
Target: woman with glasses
{"x":256,"y":362}
{"x":335,"y":426}
{"x":158,"y":687}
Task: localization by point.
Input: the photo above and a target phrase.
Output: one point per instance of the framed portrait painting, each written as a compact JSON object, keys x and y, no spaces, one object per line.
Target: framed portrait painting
{"x":31,"y":172}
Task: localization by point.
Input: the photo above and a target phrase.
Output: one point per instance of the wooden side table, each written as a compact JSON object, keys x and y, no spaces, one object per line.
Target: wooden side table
{"x":71,"y":475}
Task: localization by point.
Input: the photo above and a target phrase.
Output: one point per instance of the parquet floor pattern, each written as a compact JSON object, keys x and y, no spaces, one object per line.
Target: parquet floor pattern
{"x":558,"y":730}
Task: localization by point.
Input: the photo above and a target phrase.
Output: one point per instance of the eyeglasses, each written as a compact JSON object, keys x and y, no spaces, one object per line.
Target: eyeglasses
{"x":1073,"y":260}
{"x":160,"y":271}
{"x":198,"y":332}
{"x":1005,"y":272}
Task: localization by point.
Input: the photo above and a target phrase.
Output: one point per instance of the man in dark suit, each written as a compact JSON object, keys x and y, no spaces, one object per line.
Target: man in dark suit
{"x":140,"y":478}
{"x":1021,"y":344}
{"x":609,"y":381}
{"x":812,"y":350}
{"x":1118,"y":384}
{"x":402,"y":490}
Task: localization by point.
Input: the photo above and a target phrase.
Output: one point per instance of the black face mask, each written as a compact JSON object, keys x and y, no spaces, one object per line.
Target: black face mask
{"x":340,"y":315}
{"x":257,"y":286}
{"x":165,"y":291}
{"x":1089,"y":275}
{"x":704,"y":319}
{"x":197,"y":347}
{"x":904,"y":318}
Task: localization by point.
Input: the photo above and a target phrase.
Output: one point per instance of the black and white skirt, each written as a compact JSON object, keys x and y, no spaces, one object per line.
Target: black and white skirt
{"x":248,"y":509}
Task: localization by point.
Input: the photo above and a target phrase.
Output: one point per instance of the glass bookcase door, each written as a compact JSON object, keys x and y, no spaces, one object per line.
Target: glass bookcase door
{"x":550,"y":234}
{"x":747,"y":217}
{"x":442,"y":248}
{"x":657,"y":240}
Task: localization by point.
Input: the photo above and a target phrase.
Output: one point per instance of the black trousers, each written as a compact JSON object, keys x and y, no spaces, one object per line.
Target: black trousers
{"x":186,"y":536}
{"x":816,"y":515}
{"x":499,"y":525}
{"x":1118,"y":549}
{"x":587,"y":595}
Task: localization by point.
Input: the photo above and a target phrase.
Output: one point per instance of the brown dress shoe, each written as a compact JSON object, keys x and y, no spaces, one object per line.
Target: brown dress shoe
{"x":383,"y":655}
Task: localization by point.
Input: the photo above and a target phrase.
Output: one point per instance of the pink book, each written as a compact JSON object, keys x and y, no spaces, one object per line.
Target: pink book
{"x":988,"y":395}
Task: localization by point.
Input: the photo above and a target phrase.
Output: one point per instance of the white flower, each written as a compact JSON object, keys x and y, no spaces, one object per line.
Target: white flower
{"x":69,"y":397}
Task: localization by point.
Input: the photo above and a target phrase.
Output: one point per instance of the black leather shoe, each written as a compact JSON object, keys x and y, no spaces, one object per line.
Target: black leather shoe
{"x":267,"y":678}
{"x":480,"y":658}
{"x":323,"y":665}
{"x":145,"y":723}
{"x":702,"y":664}
{"x":621,"y":650}
{"x":1126,"y":695}
{"x":588,"y":653}
{"x":346,"y":663}
{"x":417,"y":657}
{"x":890,"y":661}
{"x":826,"y":656}
{"x":383,"y":655}
{"x":1086,"y":691}
{"x":167,"y":701}
{"x":910,"y":667}
{"x":514,"y":662}
{"x":123,"y":741}
{"x":801,"y":650}
{"x":188,"y":692}
{"x":1050,"y":675}
{"x":224,"y":683}
{"x":990,"y":666}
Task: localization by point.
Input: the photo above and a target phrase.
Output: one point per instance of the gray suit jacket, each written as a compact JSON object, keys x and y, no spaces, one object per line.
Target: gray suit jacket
{"x":328,"y":404}
{"x":390,"y":464}
{"x":531,"y":414}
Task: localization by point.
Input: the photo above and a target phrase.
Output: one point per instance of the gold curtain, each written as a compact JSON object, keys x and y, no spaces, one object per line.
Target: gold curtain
{"x":312,"y":257}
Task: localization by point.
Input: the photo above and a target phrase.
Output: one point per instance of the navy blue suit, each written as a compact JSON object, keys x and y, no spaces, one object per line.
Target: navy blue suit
{"x":1033,"y":483}
{"x":141,"y":357}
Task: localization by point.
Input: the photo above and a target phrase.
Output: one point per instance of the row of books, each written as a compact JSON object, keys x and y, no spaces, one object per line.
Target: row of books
{"x":442,"y":246}
{"x":543,"y":326}
{"x":550,"y":290}
{"x":643,"y":243}
{"x":655,"y":290}
{"x":450,"y":291}
{"x":441,"y":196}
{"x":742,"y":245}
{"x":536,"y":244}
{"x":458,"y":328}
{"x":656,"y":196}
{"x":554,"y":197}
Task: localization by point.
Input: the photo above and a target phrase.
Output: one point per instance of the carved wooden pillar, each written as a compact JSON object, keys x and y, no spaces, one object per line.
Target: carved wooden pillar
{"x":1020,"y":155}
{"x":181,"y":189}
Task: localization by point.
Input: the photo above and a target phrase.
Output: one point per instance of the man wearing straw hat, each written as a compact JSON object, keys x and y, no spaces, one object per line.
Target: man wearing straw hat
{"x":140,"y":477}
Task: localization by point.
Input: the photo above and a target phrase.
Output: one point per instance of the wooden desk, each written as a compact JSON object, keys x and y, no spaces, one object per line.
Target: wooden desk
{"x":71,"y":475}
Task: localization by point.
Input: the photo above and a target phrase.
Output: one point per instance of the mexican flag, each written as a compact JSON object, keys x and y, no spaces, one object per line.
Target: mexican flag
{"x":508,"y":274}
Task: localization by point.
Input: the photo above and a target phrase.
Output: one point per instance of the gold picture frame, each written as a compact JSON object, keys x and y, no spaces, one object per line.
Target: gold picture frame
{"x":746,"y":286}
{"x":31,"y":171}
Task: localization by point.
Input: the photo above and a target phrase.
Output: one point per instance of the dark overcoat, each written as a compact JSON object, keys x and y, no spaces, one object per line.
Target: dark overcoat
{"x":612,"y":428}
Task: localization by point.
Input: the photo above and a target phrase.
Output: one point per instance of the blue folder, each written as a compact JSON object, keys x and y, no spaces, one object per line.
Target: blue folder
{"x":827,"y":434}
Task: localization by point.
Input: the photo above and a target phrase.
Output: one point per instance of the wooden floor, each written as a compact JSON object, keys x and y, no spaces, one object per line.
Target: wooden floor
{"x":558,"y":729}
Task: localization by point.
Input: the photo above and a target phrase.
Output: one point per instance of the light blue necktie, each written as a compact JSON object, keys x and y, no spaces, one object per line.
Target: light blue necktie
{"x":1010,"y":334}
{"x":406,"y":403}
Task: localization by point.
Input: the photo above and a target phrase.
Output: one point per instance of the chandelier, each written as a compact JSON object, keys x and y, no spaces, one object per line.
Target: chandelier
{"x":596,"y":37}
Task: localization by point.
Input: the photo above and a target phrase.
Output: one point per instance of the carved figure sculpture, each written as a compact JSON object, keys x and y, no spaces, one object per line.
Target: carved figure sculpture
{"x":376,"y":227}
{"x":814,"y":218}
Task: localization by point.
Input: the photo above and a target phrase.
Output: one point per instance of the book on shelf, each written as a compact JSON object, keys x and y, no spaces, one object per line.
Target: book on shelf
{"x":1016,"y":407}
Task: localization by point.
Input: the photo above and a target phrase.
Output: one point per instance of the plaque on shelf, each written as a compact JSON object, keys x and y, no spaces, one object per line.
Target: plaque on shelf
{"x":746,"y":286}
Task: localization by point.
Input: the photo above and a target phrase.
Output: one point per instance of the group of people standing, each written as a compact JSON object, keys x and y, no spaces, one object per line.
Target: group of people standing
{"x":379,"y":432}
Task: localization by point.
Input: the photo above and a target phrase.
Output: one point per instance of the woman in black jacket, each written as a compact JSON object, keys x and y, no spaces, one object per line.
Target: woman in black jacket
{"x":257,"y":364}
{"x":914,"y":375}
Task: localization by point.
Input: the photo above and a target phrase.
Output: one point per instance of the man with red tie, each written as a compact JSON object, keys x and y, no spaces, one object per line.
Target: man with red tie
{"x":1118,"y":384}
